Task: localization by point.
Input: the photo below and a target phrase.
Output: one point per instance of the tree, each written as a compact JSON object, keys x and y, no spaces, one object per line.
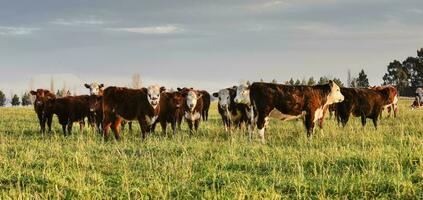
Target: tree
{"x":311,"y":81}
{"x":26,"y":99}
{"x":274,"y":81}
{"x":338,"y":82}
{"x":349,"y":79}
{"x":414,"y":66}
{"x":397,"y":75}
{"x":323,"y":80}
{"x":353,"y":83}
{"x":362,"y":80}
{"x":15,"y":100}
{"x":136,"y":81}
{"x":291,"y":81}
{"x":2,"y":99}
{"x":303,"y":81}
{"x":297,"y":82}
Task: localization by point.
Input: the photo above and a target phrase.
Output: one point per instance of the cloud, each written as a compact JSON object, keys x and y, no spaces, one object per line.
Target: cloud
{"x":77,"y":22}
{"x":16,"y":31}
{"x":150,"y":29}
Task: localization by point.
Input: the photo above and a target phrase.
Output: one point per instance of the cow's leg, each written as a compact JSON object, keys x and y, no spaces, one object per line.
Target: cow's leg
{"x":81,"y":126}
{"x":196,"y":124}
{"x":64,"y":129}
{"x":309,"y":122}
{"x":107,"y":122}
{"x":190,"y":125}
{"x":69,"y":128}
{"x":395,"y":107}
{"x":389,"y":110}
{"x":49,"y":121}
{"x":363,"y":119}
{"x":173,"y":124}
{"x":143,"y":127}
{"x":163,"y":124}
{"x":41,"y":121}
{"x":374,"y":118}
{"x":262,"y":120}
{"x":116,"y":127}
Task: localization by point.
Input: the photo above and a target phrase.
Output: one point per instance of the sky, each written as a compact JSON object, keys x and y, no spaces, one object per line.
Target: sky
{"x":203,"y":44}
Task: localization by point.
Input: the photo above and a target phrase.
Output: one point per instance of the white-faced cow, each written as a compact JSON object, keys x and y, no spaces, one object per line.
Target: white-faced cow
{"x":130,"y":104}
{"x":231,"y":112}
{"x":193,"y":107}
{"x":95,"y":88}
{"x":291,"y":102}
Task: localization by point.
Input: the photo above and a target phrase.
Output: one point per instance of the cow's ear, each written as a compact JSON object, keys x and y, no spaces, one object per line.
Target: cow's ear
{"x":248,"y":83}
{"x":101,"y":86}
{"x":216,"y":94}
{"x":33,"y":92}
{"x":199,"y":95}
{"x":179,"y":89}
{"x":331,"y":83}
{"x":162,"y":89}
{"x":235,"y":87}
{"x":87,"y":86}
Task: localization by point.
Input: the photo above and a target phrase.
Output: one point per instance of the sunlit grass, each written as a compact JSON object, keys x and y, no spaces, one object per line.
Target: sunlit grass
{"x":343,"y":163}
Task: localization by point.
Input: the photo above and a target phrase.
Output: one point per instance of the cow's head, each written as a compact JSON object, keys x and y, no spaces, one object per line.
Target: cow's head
{"x":176,"y":99}
{"x":243,"y":94}
{"x":95,"y":88}
{"x":192,"y":98}
{"x":153,"y":95}
{"x":335,"y":95}
{"x":41,"y":96}
{"x":94,"y":102}
{"x":224,"y":98}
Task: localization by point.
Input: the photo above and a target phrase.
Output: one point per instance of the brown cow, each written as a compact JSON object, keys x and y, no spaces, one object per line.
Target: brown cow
{"x":130,"y":104}
{"x":69,"y":109}
{"x":392,"y":104}
{"x":231,"y":112}
{"x":362,"y":102}
{"x":171,"y":110}
{"x":193,"y":107}
{"x":41,"y":97}
{"x":290,"y":101}
{"x":206,"y":104}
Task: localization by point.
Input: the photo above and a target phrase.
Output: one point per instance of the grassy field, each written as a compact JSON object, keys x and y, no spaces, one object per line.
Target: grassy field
{"x":337,"y":163}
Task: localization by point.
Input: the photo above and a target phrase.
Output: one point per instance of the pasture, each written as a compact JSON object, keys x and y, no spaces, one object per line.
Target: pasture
{"x":337,"y":163}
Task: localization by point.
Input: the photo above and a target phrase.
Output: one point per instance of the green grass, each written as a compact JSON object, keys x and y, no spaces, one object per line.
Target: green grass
{"x":337,"y":163}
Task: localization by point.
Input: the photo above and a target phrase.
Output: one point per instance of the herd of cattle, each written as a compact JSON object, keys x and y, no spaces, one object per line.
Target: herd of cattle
{"x":247,"y":104}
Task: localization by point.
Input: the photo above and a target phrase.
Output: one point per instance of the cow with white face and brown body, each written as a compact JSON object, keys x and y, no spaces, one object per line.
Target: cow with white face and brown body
{"x":232,"y":113}
{"x":171,"y":110}
{"x":96,"y":113}
{"x":130,"y":104}
{"x":193,"y":107}
{"x":41,"y":98}
{"x":289,"y":102}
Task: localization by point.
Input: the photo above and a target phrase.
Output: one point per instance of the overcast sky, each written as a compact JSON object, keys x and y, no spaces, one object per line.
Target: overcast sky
{"x":205,"y":44}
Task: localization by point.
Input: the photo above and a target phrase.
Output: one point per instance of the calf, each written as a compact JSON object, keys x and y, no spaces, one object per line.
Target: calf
{"x":231,"y":112}
{"x":41,"y":98}
{"x":418,"y":98}
{"x":69,"y":109}
{"x":171,"y":110}
{"x":392,"y":103}
{"x":193,"y":107}
{"x":362,"y":102}
{"x":130,"y":104}
{"x":290,"y":101}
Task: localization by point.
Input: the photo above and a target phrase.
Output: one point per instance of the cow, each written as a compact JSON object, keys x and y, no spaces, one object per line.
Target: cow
{"x":290,"y":102}
{"x":418,"y":98}
{"x":69,"y":109}
{"x":95,"y":88}
{"x":206,"y":104}
{"x":41,"y":97}
{"x":193,"y":107}
{"x":392,"y":104}
{"x":95,"y":118}
{"x":130,"y":104}
{"x":171,"y":110}
{"x":362,"y":102}
{"x":231,"y":112}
